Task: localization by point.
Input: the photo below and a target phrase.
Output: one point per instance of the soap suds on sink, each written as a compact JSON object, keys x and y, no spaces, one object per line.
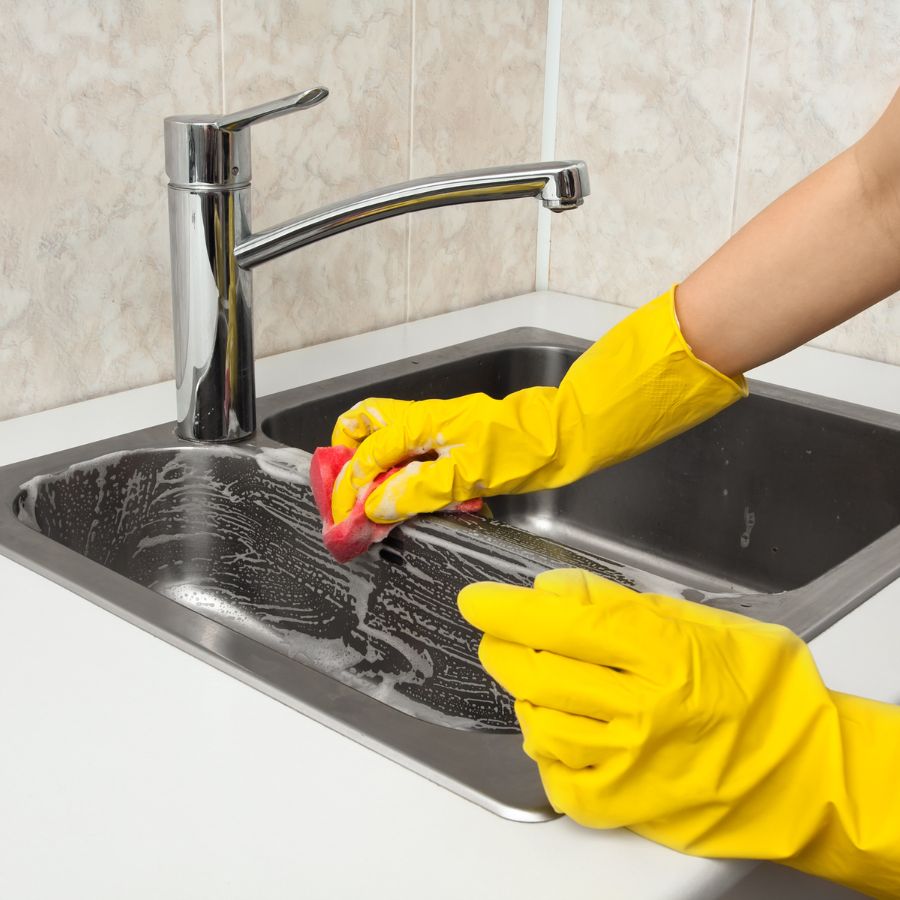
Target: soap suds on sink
{"x":234,"y":535}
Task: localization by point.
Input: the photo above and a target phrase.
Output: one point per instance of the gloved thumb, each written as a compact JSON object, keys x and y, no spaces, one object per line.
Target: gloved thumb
{"x":380,"y":452}
{"x":422,"y":486}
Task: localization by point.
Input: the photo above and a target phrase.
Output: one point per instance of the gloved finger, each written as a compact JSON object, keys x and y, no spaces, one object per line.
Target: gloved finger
{"x":569,"y":625}
{"x":558,"y":682}
{"x":422,"y":486}
{"x":576,"y":741}
{"x":357,"y":423}
{"x":378,"y":453}
{"x":587,"y":796}
{"x":590,"y":588}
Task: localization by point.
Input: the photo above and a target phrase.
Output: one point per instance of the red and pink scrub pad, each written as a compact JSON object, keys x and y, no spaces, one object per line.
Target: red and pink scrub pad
{"x":357,"y":532}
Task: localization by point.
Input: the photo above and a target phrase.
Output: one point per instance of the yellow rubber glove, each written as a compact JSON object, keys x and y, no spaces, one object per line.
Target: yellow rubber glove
{"x":639,"y":385}
{"x":700,"y":729}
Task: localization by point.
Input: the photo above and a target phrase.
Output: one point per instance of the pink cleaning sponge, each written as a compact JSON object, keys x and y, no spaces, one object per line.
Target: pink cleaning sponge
{"x":357,"y":532}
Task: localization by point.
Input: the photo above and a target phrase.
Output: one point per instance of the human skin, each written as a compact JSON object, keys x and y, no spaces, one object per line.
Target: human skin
{"x":821,"y":253}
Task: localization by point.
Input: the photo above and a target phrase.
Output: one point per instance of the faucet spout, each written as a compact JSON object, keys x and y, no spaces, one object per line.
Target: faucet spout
{"x":560,"y":186}
{"x":214,"y":248}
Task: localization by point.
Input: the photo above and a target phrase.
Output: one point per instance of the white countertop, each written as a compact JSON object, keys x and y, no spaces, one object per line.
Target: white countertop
{"x":130,"y":769}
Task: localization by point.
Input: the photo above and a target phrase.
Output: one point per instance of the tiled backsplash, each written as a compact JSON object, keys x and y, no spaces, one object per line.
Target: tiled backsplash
{"x":478,"y":99}
{"x":821,"y":72}
{"x":691,"y":118}
{"x":695,"y":116}
{"x":650,"y":97}
{"x":356,"y":140}
{"x":84,"y":273}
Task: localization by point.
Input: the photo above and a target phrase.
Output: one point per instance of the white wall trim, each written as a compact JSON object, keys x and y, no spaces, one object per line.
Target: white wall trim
{"x":548,"y":136}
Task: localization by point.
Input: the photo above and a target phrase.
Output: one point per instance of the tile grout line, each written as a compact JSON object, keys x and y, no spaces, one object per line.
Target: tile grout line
{"x":222,"y":55}
{"x":741,"y":121}
{"x":548,"y":137}
{"x":409,"y":150}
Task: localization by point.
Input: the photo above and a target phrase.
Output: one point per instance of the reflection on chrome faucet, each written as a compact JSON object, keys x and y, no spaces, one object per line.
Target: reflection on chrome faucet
{"x":214,"y":250}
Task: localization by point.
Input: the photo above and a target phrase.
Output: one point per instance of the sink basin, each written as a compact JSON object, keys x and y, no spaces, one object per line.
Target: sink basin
{"x":788,"y":499}
{"x":218,"y":550}
{"x":235,"y":536}
{"x":786,"y":507}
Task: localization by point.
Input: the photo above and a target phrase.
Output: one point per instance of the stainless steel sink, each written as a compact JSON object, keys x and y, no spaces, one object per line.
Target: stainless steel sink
{"x":786,"y":507}
{"x":218,"y":550}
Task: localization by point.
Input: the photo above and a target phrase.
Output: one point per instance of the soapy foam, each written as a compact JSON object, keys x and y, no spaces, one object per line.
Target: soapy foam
{"x":234,"y":535}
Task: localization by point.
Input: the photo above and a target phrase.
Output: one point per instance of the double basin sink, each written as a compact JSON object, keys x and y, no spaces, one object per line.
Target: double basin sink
{"x":785,"y":507}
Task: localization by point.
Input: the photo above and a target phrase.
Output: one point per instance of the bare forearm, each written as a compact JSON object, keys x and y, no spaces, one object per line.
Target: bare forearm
{"x":822,"y":252}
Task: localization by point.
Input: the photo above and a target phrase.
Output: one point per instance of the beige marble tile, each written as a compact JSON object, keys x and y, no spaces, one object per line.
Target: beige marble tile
{"x":650,"y":97}
{"x":821,"y":72}
{"x":479,"y":82}
{"x":85,"y":303}
{"x":355,"y":141}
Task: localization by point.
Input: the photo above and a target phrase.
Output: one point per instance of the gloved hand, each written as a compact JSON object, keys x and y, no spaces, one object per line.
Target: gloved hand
{"x":700,"y":729}
{"x":638,"y":386}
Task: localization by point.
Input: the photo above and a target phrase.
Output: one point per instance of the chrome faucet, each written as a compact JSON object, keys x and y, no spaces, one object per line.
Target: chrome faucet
{"x":214,"y":250}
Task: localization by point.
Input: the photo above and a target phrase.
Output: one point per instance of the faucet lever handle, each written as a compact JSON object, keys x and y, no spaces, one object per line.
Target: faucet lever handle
{"x":271,"y":110}
{"x":214,"y":151}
